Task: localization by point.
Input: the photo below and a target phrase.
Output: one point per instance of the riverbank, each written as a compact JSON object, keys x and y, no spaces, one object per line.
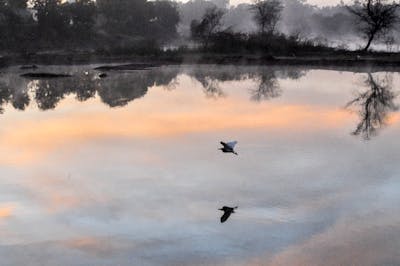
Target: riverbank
{"x":350,"y":59}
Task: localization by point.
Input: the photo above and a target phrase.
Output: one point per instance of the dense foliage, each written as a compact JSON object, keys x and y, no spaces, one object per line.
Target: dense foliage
{"x":104,"y":24}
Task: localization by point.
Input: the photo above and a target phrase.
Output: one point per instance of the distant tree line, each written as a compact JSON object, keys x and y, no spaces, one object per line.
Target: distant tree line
{"x":215,"y":37}
{"x":375,"y":19}
{"x":124,"y":26}
{"x":40,"y":24}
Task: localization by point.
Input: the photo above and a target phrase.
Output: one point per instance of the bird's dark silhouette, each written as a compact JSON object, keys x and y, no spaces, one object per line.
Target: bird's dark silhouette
{"x":227,"y":212}
{"x":228,"y":147}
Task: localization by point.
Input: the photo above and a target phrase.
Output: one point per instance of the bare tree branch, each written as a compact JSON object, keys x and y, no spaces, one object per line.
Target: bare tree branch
{"x":375,"y":18}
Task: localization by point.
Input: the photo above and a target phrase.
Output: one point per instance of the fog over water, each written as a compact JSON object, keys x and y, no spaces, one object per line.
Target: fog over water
{"x":126,"y":170}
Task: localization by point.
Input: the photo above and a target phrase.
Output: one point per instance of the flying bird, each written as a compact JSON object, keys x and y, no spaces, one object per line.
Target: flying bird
{"x":228,"y":147}
{"x":227,"y":212}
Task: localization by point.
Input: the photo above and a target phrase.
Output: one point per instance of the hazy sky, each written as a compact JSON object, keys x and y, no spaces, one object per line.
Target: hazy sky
{"x":325,"y":2}
{"x":316,"y":2}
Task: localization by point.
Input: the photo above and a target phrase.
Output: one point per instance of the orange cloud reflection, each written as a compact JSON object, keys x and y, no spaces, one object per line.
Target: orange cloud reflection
{"x":6,"y":211}
{"x":158,"y":116}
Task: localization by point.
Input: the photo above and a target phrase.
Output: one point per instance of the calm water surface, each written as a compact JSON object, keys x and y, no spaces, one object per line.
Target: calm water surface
{"x":126,"y":170}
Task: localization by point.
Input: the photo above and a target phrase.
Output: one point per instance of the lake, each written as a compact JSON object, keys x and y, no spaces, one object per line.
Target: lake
{"x":126,"y":170}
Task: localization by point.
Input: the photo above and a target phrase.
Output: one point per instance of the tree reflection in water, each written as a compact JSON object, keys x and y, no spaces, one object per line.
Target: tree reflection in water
{"x":5,"y":96}
{"x":268,"y":87}
{"x":14,"y":91}
{"x":117,"y":90}
{"x":211,"y":77}
{"x":375,"y":105}
{"x":120,"y":88}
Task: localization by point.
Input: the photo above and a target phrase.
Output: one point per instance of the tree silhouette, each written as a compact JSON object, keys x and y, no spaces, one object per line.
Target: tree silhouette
{"x":82,"y":14}
{"x":53,"y":20}
{"x":267,"y":14}
{"x":374,"y":17}
{"x":164,"y":19}
{"x":209,"y":25}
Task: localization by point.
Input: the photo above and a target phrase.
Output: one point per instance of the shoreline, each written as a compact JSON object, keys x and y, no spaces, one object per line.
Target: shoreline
{"x":327,"y":61}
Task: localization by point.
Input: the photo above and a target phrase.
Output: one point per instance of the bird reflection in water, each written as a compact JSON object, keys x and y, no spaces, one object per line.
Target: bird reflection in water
{"x":227,"y":212}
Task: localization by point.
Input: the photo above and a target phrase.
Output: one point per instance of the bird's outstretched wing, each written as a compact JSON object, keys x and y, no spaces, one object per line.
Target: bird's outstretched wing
{"x":225,"y":216}
{"x":224,"y":144}
{"x":232,"y":144}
